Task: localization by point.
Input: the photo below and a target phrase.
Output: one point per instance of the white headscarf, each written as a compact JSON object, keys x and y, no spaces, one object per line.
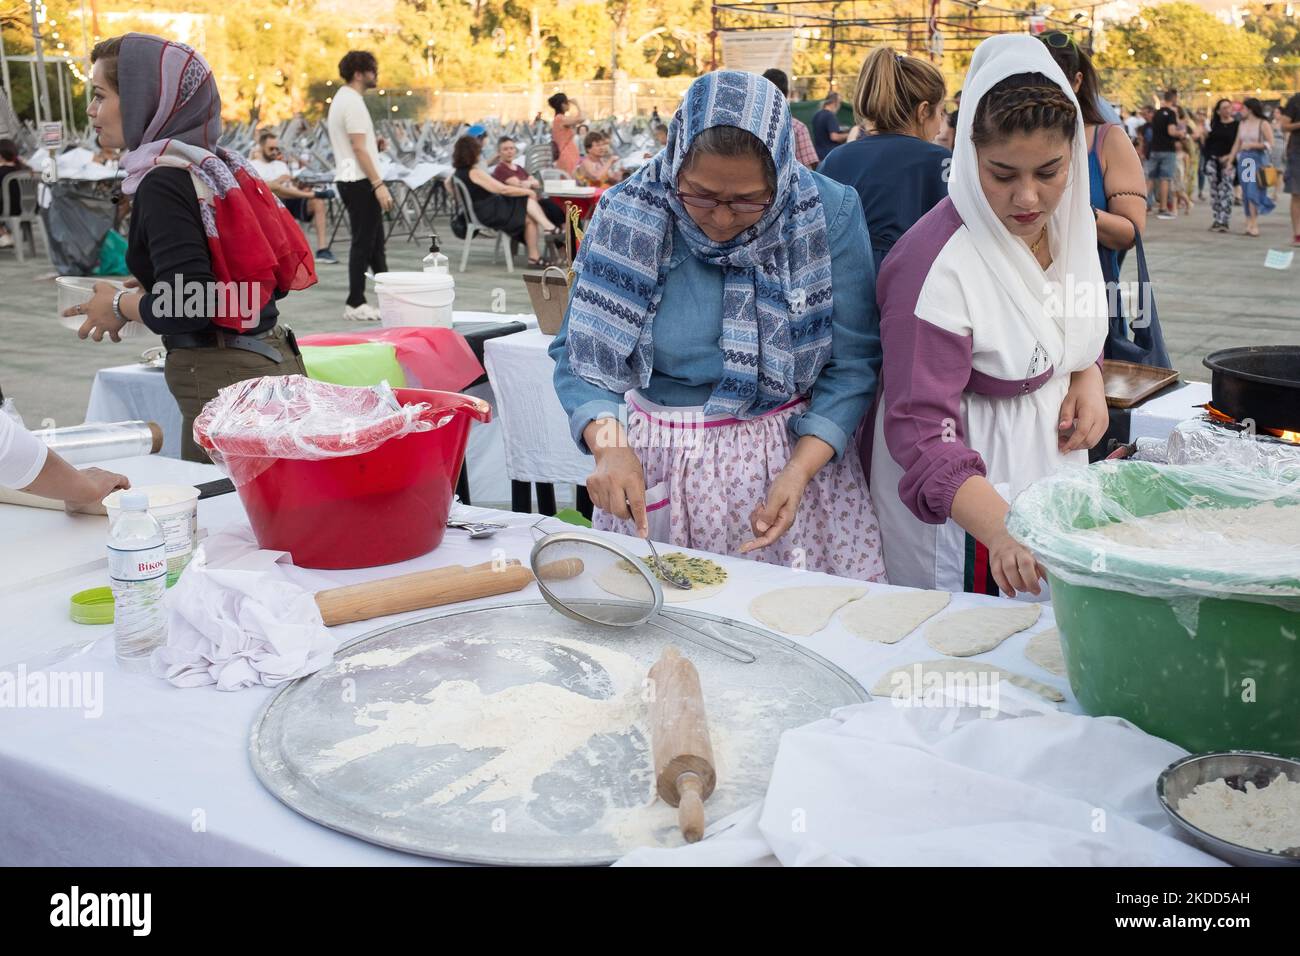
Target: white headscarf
{"x":1070,"y":319}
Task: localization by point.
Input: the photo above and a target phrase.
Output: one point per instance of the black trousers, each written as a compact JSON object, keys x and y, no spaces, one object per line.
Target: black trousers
{"x":366,"y":220}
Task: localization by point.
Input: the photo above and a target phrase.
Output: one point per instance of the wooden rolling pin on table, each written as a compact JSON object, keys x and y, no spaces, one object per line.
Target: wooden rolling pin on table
{"x":684,"y":770}
{"x":426,"y":589}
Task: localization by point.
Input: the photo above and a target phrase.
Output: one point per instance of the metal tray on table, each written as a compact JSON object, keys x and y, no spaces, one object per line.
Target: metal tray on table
{"x":417,"y":736}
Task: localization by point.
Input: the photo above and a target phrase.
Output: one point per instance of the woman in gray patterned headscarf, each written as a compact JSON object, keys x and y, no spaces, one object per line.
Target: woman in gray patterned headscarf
{"x":210,"y":247}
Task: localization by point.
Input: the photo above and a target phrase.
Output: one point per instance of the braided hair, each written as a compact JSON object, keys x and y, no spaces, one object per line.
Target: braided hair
{"x":1024,"y":103}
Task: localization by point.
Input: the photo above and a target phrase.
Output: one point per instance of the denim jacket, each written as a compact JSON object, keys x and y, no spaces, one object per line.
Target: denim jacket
{"x":688,"y":325}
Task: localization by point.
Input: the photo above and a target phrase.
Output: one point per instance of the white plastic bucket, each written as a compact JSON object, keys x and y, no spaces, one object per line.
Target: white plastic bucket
{"x":77,"y":290}
{"x":415,"y":298}
{"x":176,"y":509}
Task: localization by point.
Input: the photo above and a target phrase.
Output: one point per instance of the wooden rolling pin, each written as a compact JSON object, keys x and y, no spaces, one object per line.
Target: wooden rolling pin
{"x":684,"y":773}
{"x":423,"y":589}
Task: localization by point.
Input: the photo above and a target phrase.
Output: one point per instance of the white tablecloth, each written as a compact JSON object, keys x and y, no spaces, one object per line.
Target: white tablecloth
{"x":535,"y":429}
{"x":1157,"y":418}
{"x":161,"y":776}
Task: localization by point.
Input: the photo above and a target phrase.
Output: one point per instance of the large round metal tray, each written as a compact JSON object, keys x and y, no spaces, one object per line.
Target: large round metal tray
{"x":590,"y":805}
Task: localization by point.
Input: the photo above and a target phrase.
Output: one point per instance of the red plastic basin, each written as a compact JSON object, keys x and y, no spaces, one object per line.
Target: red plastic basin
{"x":386,"y":505}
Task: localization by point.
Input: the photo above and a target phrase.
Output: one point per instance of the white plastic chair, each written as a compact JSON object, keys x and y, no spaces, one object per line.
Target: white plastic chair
{"x":474,"y":227}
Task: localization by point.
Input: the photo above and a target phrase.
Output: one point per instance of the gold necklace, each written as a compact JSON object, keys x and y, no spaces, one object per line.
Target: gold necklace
{"x":1033,"y":249}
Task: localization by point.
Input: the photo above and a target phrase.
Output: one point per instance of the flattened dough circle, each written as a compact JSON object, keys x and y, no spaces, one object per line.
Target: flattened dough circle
{"x":888,"y":618}
{"x":979,"y":629}
{"x":803,"y":610}
{"x":1045,"y":650}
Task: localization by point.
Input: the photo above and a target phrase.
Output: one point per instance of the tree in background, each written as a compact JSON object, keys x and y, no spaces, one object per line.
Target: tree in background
{"x":1179,"y":46}
{"x":1279,"y":24}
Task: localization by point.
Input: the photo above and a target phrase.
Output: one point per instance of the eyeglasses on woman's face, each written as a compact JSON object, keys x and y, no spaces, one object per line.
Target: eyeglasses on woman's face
{"x":744,"y":207}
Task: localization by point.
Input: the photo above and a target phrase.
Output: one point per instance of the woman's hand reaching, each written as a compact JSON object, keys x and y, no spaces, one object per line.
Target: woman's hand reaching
{"x":1084,"y":415}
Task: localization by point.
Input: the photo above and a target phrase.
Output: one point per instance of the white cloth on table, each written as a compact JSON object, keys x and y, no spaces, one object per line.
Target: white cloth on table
{"x":421,"y":173}
{"x":124,"y":788}
{"x":235,"y":620}
{"x":534,"y":426}
{"x":22,"y":454}
{"x":1156,"y":418}
{"x":884,"y":785}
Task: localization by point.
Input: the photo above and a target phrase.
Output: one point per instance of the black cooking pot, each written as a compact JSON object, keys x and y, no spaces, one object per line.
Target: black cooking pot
{"x":1259,"y":382}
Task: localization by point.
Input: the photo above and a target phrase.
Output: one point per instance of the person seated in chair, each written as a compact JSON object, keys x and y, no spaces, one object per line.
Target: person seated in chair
{"x":511,"y":209}
{"x":511,"y":173}
{"x":306,"y":205}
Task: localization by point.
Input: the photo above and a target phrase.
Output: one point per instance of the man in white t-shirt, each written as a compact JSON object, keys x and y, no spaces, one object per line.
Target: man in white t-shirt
{"x":304,"y":204}
{"x":356,"y":174}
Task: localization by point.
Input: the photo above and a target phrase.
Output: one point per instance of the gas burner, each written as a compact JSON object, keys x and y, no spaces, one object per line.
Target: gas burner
{"x":1280,"y":435}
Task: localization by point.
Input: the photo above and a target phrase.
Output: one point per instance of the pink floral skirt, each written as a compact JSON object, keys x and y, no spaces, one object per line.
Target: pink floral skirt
{"x":705,"y":475}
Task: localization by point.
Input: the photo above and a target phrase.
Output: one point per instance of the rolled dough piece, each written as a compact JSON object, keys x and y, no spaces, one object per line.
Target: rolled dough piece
{"x":890,"y":617}
{"x":628,"y":584}
{"x":979,"y":629}
{"x":886,"y":686}
{"x":1045,"y":650}
{"x":804,"y":610}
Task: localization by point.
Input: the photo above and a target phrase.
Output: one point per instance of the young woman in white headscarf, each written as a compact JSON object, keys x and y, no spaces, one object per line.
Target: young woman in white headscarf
{"x":993,"y":317}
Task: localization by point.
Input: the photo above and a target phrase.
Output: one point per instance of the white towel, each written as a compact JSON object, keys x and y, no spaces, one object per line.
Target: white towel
{"x":235,"y":620}
{"x":883,"y":785}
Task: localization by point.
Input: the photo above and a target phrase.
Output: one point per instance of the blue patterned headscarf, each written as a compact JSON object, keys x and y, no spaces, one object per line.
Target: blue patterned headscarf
{"x":776,"y":299}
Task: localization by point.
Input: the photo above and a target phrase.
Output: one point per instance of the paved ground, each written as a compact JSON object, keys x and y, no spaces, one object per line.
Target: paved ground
{"x":1213,"y":292}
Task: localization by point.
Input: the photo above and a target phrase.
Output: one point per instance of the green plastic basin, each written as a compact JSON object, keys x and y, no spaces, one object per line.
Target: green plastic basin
{"x":1208,"y":658}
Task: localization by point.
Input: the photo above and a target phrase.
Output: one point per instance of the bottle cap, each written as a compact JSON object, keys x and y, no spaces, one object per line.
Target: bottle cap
{"x":94,"y":606}
{"x":134,"y":501}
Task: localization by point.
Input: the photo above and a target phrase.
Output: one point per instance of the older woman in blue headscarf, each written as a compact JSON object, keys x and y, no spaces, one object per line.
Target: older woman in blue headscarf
{"x":721,"y":343}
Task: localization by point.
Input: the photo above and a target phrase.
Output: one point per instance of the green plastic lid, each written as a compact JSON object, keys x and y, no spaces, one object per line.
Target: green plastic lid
{"x":94,"y":606}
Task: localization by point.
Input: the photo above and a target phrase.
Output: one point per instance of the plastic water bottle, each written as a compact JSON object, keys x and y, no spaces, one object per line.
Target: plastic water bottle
{"x":435,"y":262}
{"x":137,"y":571}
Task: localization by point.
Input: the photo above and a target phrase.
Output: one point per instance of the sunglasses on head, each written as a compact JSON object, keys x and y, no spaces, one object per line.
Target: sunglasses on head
{"x":742,"y":206}
{"x":1058,"y":41}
